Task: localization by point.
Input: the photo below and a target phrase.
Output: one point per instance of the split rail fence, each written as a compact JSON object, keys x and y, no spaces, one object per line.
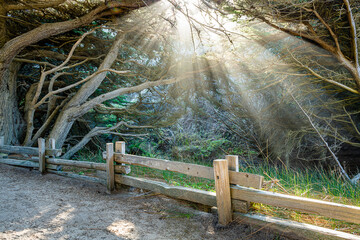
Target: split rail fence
{"x":234,"y":189}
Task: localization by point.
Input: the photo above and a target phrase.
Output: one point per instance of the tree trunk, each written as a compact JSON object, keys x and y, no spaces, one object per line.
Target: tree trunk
{"x":3,"y":30}
{"x":11,"y":123}
{"x":67,"y":117}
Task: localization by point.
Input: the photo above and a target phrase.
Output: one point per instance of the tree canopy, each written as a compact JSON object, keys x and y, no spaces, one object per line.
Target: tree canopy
{"x":274,"y":73}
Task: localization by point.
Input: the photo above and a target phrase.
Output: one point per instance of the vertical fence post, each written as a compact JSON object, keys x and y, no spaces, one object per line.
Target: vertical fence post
{"x":233,"y":161}
{"x":110,"y":172}
{"x":222,"y":187}
{"x":2,"y":143}
{"x":241,"y":206}
{"x":41,"y":146}
{"x":51,"y":145}
{"x":120,"y":147}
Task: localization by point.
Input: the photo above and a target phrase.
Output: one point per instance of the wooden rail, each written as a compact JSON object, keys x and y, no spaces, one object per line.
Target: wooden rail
{"x":324,"y":208}
{"x":244,"y":187}
{"x":328,"y":209}
{"x":184,"y":193}
{"x":28,"y":150}
{"x":32,"y":163}
{"x":240,"y":178}
{"x":88,"y":165}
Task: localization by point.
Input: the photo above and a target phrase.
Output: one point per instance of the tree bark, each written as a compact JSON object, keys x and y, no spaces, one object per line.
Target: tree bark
{"x":67,"y":117}
{"x":11,"y":123}
{"x":11,"y":119}
{"x":3,"y":29}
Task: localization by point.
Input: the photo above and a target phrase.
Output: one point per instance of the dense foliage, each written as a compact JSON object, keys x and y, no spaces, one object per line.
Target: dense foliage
{"x":281,"y":84}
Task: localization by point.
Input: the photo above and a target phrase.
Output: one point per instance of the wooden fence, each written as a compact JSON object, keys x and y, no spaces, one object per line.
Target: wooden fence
{"x":234,"y":189}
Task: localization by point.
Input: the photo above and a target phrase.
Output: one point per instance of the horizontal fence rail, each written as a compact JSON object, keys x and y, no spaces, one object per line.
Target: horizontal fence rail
{"x":184,"y":193}
{"x":28,"y":150}
{"x":240,"y":178}
{"x":244,"y":187}
{"x":328,"y":209}
{"x":88,"y":165}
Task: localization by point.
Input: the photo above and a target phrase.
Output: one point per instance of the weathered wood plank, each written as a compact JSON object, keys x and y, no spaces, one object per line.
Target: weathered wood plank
{"x":80,"y":164}
{"x":184,"y":193}
{"x":42,"y":162}
{"x":193,"y":195}
{"x":180,"y":167}
{"x":53,"y":167}
{"x":88,"y":165}
{"x":54,"y":164}
{"x":20,"y":163}
{"x":19,"y":150}
{"x":51,"y":148}
{"x":53,"y":152}
{"x":328,"y":209}
{"x":246,"y":179}
{"x":81,"y":177}
{"x":292,"y":229}
{"x":240,"y":178}
{"x":120,"y":147}
{"x":233,"y":162}
{"x":222,"y":187}
{"x":124,"y":169}
{"x":28,"y":150}
{"x":2,"y":140}
{"x":26,"y":163}
{"x":110,"y":172}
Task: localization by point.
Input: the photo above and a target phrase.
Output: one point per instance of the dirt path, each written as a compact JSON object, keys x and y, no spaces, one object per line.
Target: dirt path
{"x":56,"y":207}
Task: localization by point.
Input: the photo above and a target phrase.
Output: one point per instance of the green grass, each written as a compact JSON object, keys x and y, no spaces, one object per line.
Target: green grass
{"x":172,"y":178}
{"x":88,"y":156}
{"x":318,"y":184}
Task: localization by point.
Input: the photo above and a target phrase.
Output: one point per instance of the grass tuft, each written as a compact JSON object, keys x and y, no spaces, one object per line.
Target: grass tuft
{"x":318,"y":184}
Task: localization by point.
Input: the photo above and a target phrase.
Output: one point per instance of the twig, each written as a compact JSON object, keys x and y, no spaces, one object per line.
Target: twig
{"x":276,"y":181}
{"x":345,"y":175}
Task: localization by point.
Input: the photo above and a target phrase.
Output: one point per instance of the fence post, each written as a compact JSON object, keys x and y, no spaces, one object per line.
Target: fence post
{"x":41,"y":146}
{"x":233,"y":161}
{"x":110,"y":173}
{"x":2,"y":143}
{"x":222,"y":187}
{"x":51,"y":145}
{"x":241,"y":206}
{"x":120,"y":147}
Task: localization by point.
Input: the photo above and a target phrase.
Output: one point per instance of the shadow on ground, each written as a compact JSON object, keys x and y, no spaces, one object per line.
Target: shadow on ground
{"x":55,"y":207}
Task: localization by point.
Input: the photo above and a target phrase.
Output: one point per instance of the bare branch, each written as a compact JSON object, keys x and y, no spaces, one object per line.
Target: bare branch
{"x":41,"y":4}
{"x":353,"y":35}
{"x":324,"y":78}
{"x":345,"y":175}
{"x":60,"y":90}
{"x":102,"y":130}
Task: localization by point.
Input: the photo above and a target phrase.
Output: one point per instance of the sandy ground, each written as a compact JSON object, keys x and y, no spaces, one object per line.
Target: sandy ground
{"x":55,"y":207}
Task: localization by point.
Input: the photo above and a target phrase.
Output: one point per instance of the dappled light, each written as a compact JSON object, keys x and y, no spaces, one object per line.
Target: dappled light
{"x":155,"y":94}
{"x":255,"y":75}
{"x":123,"y":229}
